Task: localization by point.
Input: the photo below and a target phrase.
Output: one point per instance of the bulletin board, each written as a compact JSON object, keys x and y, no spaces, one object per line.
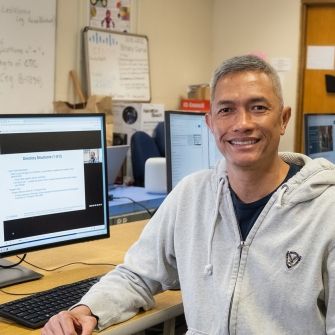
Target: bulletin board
{"x":117,"y":65}
{"x":27,"y":55}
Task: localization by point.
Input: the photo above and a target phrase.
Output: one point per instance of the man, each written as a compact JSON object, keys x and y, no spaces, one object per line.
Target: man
{"x":92,"y":157}
{"x":250,"y":243}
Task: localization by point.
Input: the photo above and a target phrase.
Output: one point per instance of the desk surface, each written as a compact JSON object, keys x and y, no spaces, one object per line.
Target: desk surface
{"x":110,"y":250}
{"x":121,"y":204}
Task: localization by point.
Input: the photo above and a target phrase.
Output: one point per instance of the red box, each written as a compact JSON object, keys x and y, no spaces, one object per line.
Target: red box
{"x":195,"y":105}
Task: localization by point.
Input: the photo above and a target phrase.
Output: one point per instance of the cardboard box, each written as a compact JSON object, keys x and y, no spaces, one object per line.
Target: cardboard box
{"x":131,"y":117}
{"x":94,"y":104}
{"x":199,"y":91}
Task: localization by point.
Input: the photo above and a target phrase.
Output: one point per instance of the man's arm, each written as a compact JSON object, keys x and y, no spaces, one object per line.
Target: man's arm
{"x":149,"y":267}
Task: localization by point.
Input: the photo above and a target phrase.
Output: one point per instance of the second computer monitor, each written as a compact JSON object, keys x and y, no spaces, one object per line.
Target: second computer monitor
{"x":190,"y":146}
{"x":319,"y":136}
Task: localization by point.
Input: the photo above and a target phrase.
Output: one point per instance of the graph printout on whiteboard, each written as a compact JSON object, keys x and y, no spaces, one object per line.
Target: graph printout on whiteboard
{"x":117,"y":65}
{"x":27,"y":55}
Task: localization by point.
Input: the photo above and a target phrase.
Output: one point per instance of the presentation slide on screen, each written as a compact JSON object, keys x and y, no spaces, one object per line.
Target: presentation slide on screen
{"x":189,"y":146}
{"x":33,"y":184}
{"x":192,"y":146}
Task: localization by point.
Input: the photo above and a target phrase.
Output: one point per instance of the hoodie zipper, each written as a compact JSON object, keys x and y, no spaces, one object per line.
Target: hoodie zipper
{"x":241,"y":246}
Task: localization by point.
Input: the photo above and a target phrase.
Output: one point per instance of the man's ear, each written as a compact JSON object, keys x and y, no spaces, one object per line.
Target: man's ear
{"x":209,"y":121}
{"x":285,"y":117}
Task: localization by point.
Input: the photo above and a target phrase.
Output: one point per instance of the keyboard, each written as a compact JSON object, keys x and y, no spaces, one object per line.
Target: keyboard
{"x":35,"y":310}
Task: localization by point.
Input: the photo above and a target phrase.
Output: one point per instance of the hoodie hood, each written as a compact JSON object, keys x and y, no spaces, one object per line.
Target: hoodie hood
{"x":315,"y":176}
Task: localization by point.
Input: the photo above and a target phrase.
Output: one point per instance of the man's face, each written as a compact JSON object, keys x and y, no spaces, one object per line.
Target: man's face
{"x":247,"y":120}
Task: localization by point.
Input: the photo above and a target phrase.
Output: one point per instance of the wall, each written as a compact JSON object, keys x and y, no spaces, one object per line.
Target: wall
{"x":268,"y":26}
{"x":179,"y":45}
{"x":71,"y":18}
{"x":189,"y":38}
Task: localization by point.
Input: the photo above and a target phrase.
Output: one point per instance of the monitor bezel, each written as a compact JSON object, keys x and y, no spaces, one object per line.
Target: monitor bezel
{"x":106,"y":234}
{"x":167,"y":118}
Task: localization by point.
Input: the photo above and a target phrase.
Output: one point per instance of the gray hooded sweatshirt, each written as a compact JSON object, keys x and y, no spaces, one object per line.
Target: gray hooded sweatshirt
{"x":280,"y":280}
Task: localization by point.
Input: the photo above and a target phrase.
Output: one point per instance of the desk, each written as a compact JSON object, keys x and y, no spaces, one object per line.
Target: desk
{"x":112,"y":250}
{"x":122,"y":209}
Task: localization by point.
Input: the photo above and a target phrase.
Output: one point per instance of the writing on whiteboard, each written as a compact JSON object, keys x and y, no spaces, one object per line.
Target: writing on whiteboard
{"x":118,"y":65}
{"x":27,"y":47}
{"x":16,"y":65}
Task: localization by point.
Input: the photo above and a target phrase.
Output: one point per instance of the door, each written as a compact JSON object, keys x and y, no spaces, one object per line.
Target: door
{"x":317,"y":30}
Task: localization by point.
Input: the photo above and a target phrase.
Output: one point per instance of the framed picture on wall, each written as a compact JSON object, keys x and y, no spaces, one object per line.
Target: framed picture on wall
{"x":116,"y":15}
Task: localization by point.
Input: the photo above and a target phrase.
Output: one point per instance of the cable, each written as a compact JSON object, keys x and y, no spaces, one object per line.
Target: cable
{"x":15,"y":264}
{"x":68,"y":264}
{"x":111,"y":197}
{"x":48,"y":270}
{"x":11,"y":293}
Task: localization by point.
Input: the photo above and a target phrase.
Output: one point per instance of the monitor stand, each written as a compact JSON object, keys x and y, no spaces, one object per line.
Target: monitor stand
{"x":15,"y":275}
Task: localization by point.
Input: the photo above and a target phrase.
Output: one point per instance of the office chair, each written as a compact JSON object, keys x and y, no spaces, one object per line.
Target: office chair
{"x":142,"y":147}
{"x":159,"y":137}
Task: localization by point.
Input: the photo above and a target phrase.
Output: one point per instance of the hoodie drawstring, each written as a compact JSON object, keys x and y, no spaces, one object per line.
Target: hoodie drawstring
{"x":209,"y":267}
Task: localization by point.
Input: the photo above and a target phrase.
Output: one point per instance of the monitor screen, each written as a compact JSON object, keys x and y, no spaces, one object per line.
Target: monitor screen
{"x":190,"y":145}
{"x":320,"y":135}
{"x":53,"y":184}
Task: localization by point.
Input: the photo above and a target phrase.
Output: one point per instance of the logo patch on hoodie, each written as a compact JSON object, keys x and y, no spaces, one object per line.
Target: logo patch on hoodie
{"x":292,"y":259}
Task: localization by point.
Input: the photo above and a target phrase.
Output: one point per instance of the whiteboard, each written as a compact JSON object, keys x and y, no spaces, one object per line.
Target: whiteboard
{"x":27,"y":55}
{"x":117,"y":65}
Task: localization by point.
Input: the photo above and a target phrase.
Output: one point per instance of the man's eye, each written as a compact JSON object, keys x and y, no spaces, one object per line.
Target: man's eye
{"x":260,"y":108}
{"x":225,"y":110}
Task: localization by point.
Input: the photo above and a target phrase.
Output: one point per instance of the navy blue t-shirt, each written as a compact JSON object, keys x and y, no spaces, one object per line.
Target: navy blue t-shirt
{"x":247,"y":214}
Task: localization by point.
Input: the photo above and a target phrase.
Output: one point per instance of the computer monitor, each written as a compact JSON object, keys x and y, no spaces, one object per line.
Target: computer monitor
{"x":320,"y":136}
{"x":190,"y":145}
{"x":53,"y":184}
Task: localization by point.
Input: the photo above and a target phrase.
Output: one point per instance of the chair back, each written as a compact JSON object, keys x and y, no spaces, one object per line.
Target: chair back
{"x":142,"y":147}
{"x":159,"y":136}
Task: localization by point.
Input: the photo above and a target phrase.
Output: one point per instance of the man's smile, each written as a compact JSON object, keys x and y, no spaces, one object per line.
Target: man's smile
{"x":243,"y":141}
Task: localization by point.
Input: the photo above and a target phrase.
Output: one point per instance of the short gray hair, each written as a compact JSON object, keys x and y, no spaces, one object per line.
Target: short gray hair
{"x":243,"y":64}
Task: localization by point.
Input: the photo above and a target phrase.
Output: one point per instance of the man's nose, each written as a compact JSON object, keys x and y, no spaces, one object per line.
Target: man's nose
{"x":243,"y":120}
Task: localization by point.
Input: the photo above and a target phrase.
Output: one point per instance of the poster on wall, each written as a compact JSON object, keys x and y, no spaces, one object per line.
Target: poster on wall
{"x":110,"y":14}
